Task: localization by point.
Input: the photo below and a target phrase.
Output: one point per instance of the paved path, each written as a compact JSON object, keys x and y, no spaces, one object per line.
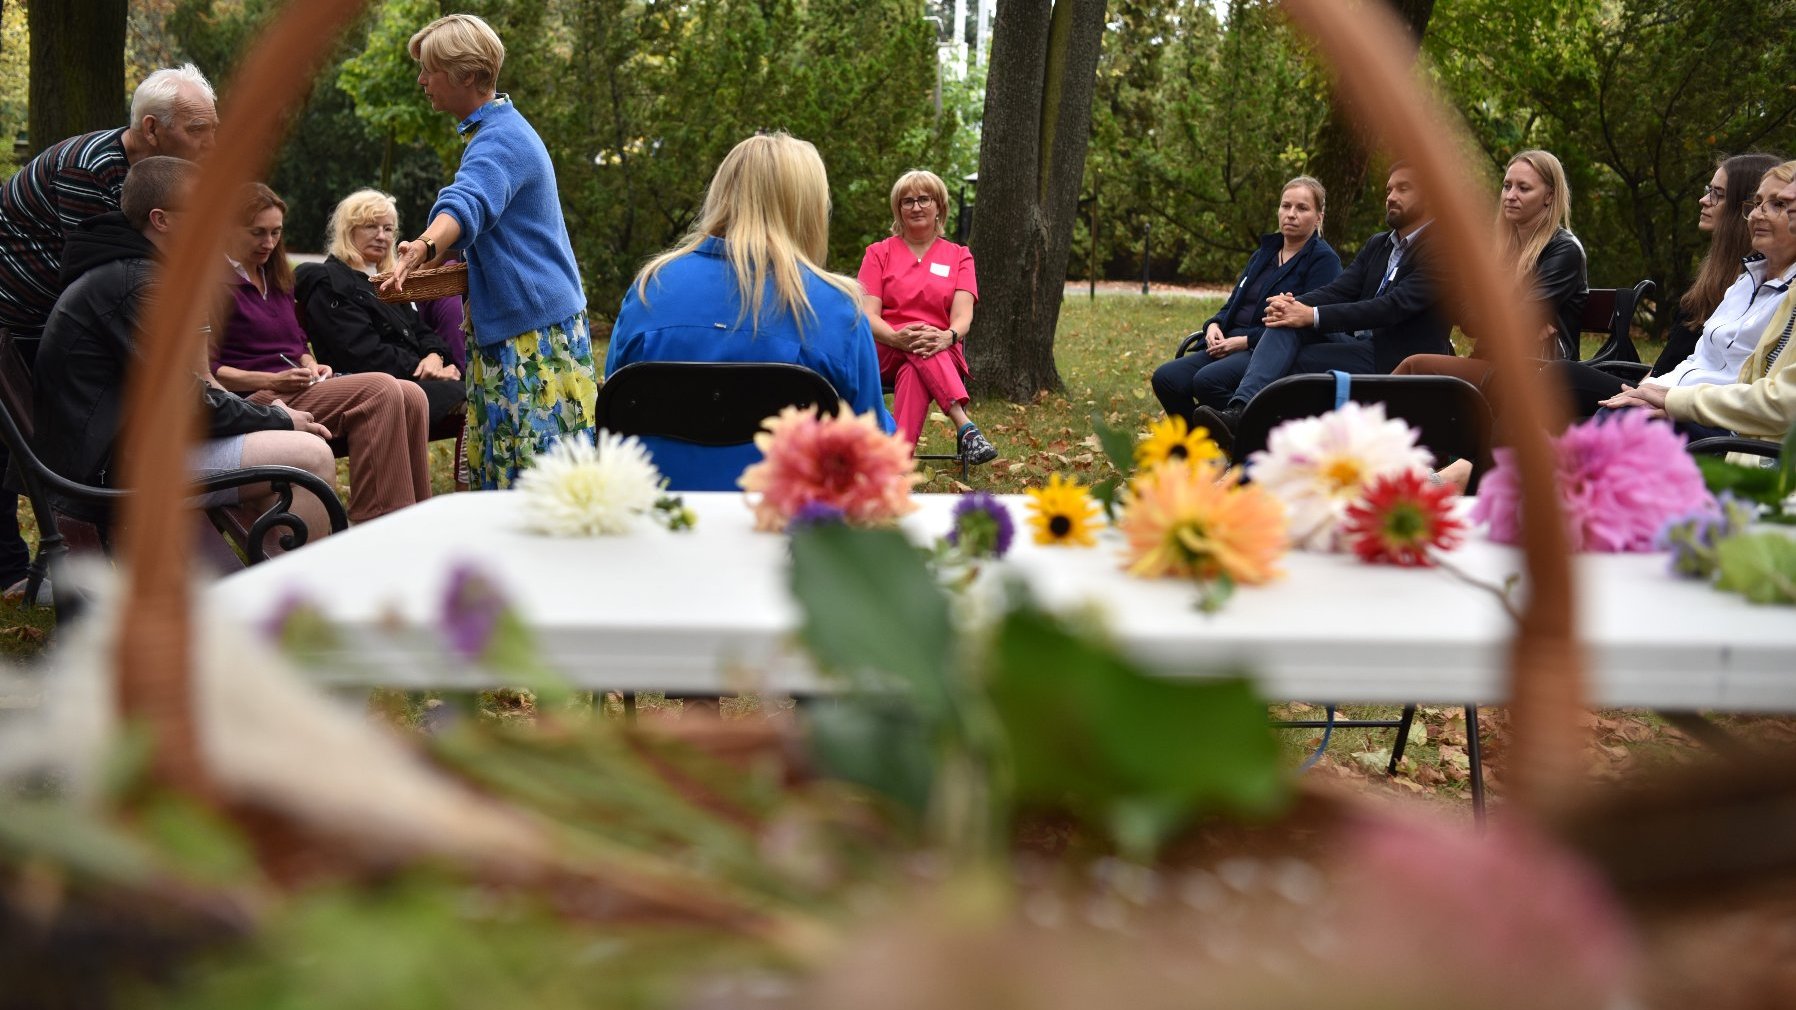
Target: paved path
{"x":1163,"y":290}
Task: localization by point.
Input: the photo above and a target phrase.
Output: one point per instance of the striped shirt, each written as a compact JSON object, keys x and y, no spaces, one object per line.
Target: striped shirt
{"x":70,"y":182}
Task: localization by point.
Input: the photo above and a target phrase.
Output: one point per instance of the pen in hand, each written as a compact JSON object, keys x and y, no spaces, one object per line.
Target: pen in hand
{"x":294,"y":364}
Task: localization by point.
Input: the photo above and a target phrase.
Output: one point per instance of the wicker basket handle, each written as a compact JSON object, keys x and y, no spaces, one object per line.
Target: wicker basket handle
{"x":1371,"y":55}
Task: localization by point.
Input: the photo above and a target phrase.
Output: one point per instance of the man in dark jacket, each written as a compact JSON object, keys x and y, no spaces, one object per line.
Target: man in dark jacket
{"x":89,"y":345}
{"x":1381,"y":309}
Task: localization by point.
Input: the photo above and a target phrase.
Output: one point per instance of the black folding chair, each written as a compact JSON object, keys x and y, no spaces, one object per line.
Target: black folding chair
{"x":1453,"y":421}
{"x":710,"y":403}
{"x":1610,"y":311}
{"x":1450,"y":414}
{"x":1718,"y":445}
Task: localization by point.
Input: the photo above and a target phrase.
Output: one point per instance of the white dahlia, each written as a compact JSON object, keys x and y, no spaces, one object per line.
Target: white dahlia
{"x":577,"y":489}
{"x":1318,"y":466}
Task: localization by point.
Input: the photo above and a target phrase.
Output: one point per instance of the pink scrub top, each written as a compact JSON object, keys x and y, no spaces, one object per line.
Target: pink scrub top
{"x":917,"y":291}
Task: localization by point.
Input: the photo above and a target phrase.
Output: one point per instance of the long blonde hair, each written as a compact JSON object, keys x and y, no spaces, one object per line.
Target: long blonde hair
{"x":1523,"y":251}
{"x":769,"y":202}
{"x":364,"y":206}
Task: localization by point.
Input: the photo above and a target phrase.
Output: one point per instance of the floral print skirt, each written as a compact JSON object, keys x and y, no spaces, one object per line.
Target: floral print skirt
{"x":524,"y":394}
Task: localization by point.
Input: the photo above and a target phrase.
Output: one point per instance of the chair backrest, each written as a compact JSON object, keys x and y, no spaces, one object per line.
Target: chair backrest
{"x":1451,"y":416}
{"x":1610,"y":311}
{"x":713,"y":403}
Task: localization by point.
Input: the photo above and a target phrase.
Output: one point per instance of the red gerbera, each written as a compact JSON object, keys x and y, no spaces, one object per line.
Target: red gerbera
{"x":1401,"y":517}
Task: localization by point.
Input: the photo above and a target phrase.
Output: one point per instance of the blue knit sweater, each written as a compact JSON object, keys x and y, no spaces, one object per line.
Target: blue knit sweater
{"x":521,"y":271}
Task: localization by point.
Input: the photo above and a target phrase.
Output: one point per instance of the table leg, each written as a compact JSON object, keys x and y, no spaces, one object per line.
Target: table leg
{"x":1472,"y":751}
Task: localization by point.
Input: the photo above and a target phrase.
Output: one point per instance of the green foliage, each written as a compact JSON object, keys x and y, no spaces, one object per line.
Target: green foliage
{"x":330,"y":151}
{"x":1139,"y":754}
{"x":423,"y":941}
{"x":381,"y":79}
{"x":1633,"y":99}
{"x":1197,"y":121}
{"x":872,"y":611}
{"x":1759,"y":566}
{"x":1055,"y":720}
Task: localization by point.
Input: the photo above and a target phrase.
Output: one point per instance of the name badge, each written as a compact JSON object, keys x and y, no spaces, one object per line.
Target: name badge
{"x":939,"y":269}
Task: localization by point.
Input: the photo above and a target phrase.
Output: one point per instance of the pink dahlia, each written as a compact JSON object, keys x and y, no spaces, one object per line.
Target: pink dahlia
{"x":1621,"y":478}
{"x":840,"y":461}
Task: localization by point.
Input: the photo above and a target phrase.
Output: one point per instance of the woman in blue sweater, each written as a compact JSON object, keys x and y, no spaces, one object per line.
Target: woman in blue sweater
{"x":1294,"y":258}
{"x":530,"y":374}
{"x":747,"y":284}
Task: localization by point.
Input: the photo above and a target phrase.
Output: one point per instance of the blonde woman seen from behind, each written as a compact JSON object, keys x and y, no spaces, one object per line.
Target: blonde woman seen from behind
{"x":747,"y":283}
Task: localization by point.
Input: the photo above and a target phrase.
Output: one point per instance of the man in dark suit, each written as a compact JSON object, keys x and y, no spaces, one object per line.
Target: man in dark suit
{"x":1381,"y":309}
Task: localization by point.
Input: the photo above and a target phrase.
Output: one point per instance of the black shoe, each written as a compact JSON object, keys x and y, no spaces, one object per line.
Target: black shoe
{"x":975,"y":448}
{"x":1221,"y":425}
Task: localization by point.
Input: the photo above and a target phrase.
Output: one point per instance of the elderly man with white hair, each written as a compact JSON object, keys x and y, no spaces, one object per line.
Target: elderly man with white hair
{"x":173,"y":112}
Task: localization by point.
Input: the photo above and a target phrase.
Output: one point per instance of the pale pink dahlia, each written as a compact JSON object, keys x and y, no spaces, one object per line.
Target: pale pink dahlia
{"x":841,"y":461}
{"x":1621,"y":478}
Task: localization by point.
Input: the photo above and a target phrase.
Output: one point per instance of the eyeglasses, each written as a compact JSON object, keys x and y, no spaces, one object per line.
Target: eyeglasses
{"x":1713,"y":194}
{"x":1772,"y":208}
{"x":915,"y":201}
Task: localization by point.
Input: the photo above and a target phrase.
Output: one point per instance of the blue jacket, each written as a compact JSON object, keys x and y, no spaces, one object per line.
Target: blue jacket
{"x":1314,"y":265}
{"x":693,"y":313}
{"x":521,"y":270}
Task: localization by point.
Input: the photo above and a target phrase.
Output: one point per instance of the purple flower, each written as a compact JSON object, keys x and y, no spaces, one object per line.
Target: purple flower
{"x":1692,"y":538}
{"x":1620,"y":479}
{"x":293,"y":606}
{"x":472,"y":610}
{"x":982,"y":526}
{"x":816,"y":514}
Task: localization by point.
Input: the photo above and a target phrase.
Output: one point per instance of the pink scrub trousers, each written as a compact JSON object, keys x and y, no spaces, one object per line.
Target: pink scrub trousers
{"x":917,"y":381}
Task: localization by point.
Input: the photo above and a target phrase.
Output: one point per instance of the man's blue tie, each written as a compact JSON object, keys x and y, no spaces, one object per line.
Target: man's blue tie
{"x":1390,"y":270}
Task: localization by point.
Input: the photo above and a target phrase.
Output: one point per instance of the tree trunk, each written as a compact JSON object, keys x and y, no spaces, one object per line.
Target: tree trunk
{"x":1343,"y":156}
{"x":1040,"y":78}
{"x":77,"y":68}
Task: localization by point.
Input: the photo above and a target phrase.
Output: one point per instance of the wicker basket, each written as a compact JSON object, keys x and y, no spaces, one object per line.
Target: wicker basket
{"x":428,"y":284}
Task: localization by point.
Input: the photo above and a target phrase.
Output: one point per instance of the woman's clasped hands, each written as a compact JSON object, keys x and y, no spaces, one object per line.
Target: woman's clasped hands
{"x":923,"y":340}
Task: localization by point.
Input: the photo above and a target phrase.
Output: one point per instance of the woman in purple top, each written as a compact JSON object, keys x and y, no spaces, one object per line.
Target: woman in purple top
{"x":261,"y":353}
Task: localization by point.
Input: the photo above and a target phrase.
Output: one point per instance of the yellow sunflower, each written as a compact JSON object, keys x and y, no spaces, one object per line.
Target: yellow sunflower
{"x":1196,"y":521}
{"x":1168,"y":439}
{"x":1062,"y":513}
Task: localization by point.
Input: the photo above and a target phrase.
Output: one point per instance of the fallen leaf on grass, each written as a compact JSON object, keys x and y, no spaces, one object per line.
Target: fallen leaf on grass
{"x":1374,"y":760}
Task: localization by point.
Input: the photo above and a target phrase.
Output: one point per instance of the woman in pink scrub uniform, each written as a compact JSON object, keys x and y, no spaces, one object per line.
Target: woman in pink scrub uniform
{"x":920,"y":292}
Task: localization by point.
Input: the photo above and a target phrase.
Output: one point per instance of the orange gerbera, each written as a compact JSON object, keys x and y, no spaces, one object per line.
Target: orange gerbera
{"x":1197,"y":521}
{"x":840,"y":461}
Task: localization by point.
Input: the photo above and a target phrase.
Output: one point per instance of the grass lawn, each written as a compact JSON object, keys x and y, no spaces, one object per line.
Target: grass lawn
{"x":1106,"y":348}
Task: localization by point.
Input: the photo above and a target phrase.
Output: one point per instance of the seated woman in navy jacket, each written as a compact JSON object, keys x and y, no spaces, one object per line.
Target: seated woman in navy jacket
{"x":1294,"y":258}
{"x":352,"y":330}
{"x":747,"y":284}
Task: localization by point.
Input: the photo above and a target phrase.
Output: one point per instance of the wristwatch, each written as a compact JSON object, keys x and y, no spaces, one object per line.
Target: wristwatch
{"x":430,"y":248}
{"x":954,"y":335}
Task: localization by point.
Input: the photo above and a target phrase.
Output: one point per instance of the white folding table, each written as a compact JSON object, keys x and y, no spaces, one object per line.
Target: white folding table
{"x":707,"y":611}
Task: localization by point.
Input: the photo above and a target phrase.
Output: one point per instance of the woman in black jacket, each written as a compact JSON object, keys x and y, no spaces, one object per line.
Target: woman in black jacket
{"x":351,"y":329}
{"x":1294,"y":258}
{"x":1547,"y":260}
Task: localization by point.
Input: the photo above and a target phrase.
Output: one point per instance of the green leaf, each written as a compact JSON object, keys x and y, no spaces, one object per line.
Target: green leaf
{"x":873,"y":612}
{"x":1139,"y":755}
{"x":1752,"y":483}
{"x":1759,"y":566}
{"x":1117,"y":443}
{"x":880,"y":745}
